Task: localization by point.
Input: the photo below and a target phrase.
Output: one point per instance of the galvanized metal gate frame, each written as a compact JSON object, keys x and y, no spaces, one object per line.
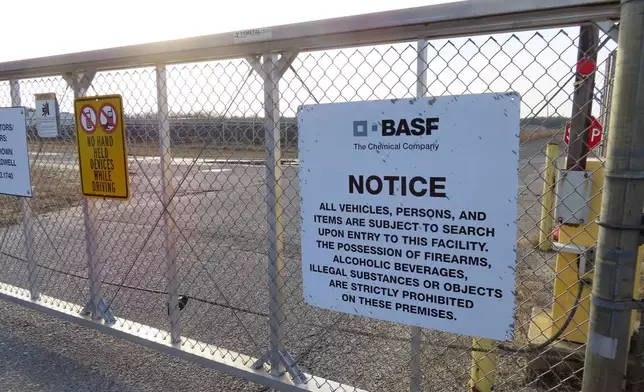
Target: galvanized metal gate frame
{"x":445,"y":20}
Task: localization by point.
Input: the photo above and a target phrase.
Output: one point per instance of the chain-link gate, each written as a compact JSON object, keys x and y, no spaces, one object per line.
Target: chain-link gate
{"x":214,"y":214}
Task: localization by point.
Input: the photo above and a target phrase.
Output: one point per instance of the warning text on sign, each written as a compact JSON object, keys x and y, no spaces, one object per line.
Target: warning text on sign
{"x":15,"y":178}
{"x":101,"y":164}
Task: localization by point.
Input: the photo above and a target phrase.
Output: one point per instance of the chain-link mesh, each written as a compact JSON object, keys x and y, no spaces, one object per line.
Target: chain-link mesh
{"x":209,"y":206}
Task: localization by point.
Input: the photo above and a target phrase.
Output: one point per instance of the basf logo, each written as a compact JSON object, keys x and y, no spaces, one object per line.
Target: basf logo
{"x":415,"y":127}
{"x":403,"y":127}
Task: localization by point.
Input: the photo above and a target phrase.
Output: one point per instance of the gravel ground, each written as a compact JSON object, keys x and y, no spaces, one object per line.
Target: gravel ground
{"x":41,"y":353}
{"x":221,"y":260}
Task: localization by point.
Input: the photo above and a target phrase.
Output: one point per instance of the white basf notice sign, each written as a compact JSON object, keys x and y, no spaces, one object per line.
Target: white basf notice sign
{"x":14,"y":159}
{"x":409,"y":210}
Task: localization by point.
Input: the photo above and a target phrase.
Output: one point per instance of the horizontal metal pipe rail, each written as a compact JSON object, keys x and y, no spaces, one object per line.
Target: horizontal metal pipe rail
{"x":443,"y":20}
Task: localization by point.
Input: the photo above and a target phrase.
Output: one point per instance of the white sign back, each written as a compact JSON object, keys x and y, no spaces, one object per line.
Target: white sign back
{"x":46,"y":115}
{"x":409,"y":210}
{"x":15,"y":178}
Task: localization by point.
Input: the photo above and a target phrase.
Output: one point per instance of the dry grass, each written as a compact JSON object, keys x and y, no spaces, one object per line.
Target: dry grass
{"x":54,"y":189}
{"x":195,"y":150}
{"x":57,"y":188}
{"x":529,"y":240}
{"x":541,"y":134}
{"x":181,"y":151}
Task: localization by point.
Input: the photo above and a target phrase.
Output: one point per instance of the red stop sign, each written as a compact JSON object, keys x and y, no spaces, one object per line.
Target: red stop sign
{"x":594,"y":136}
{"x":585,"y":66}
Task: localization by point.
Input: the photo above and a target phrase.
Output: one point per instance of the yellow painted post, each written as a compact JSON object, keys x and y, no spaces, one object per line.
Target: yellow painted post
{"x":548,"y":197}
{"x":567,"y":272}
{"x":483,"y":363}
{"x":567,"y":264}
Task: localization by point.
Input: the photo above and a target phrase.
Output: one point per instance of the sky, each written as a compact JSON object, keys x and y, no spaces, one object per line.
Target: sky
{"x":533,"y":63}
{"x":64,"y":26}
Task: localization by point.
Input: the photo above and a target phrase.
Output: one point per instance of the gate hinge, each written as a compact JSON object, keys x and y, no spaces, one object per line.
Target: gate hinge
{"x":289,"y":363}
{"x":103,"y":309}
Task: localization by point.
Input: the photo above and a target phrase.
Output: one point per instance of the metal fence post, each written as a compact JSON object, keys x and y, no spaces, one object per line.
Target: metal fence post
{"x":274,"y":218}
{"x":26,"y":214}
{"x":169,"y":231}
{"x":609,"y":78}
{"x":621,"y":213}
{"x":416,"y":332}
{"x":548,"y":198}
{"x":483,"y":365}
{"x":80,"y":84}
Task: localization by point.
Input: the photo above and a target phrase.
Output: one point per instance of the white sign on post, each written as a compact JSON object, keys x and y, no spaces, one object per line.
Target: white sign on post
{"x":15,"y":177}
{"x":409,"y":210}
{"x":46,"y":115}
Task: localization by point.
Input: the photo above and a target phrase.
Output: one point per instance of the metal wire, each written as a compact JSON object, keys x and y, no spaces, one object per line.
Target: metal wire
{"x":220,"y":185}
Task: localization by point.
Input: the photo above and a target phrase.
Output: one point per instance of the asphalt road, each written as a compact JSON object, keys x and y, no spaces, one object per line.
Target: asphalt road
{"x":221,"y":248}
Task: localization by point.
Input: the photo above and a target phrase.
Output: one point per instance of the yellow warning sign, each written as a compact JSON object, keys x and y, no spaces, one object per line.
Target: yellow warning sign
{"x":100,"y":137}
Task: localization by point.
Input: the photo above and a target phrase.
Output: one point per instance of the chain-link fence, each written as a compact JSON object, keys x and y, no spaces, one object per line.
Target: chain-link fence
{"x":187,"y":257}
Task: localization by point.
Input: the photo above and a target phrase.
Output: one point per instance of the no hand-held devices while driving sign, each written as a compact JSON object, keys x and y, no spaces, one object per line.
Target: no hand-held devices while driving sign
{"x":102,"y":154}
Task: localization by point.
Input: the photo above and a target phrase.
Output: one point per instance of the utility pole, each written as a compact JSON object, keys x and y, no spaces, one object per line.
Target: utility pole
{"x":582,"y":102}
{"x":621,"y":214}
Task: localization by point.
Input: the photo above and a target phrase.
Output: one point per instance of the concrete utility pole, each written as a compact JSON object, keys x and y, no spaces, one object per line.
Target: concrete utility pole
{"x":621,"y":213}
